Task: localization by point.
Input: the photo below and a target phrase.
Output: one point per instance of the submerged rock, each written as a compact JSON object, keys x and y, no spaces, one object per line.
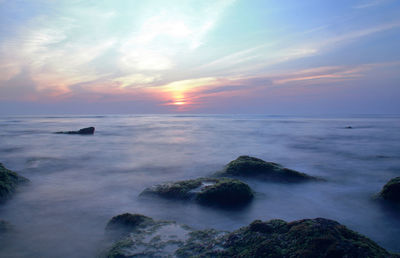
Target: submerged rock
{"x":246,"y":166}
{"x":5,"y":226}
{"x":275,"y":238}
{"x":208,"y":191}
{"x":9,"y":181}
{"x":88,"y":130}
{"x":391,"y":190}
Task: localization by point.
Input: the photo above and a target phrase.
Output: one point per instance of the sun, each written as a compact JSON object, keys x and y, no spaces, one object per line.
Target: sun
{"x":179,"y":103}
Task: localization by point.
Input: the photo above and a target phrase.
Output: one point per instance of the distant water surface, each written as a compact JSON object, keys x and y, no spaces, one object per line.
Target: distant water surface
{"x":79,"y":182}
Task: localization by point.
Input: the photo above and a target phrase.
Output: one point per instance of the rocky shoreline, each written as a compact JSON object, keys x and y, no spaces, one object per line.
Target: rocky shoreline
{"x":141,"y":236}
{"x":136,"y":235}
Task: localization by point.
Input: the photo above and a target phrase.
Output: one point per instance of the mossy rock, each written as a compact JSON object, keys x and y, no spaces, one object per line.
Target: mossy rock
{"x":8,"y":182}
{"x":228,"y":192}
{"x":146,"y":237}
{"x":391,"y":190}
{"x":207,"y":191}
{"x":128,"y":221}
{"x":275,"y":238}
{"x":246,"y":166}
{"x":181,"y":190}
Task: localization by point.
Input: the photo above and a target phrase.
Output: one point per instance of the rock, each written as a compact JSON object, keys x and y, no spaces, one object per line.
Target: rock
{"x":349,"y":127}
{"x":9,"y":181}
{"x":128,"y":222}
{"x":275,"y":238}
{"x":147,"y":238}
{"x":391,"y":190}
{"x":208,"y":191}
{"x":227,"y":192}
{"x":246,"y":166}
{"x":88,"y":130}
{"x":5,"y":226}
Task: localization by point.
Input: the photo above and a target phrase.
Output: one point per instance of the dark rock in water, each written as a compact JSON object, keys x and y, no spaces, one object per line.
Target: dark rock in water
{"x":128,"y":222}
{"x":349,"y":127}
{"x":208,"y":191}
{"x":5,"y":226}
{"x":275,"y":238}
{"x":9,"y":181}
{"x":245,"y":166}
{"x":391,"y":190}
{"x":88,"y":130}
{"x":227,"y":192}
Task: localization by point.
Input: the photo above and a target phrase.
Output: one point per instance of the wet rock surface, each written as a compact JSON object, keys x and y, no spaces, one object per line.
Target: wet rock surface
{"x":275,"y":238}
{"x":250,"y":167}
{"x":146,"y":237}
{"x":206,"y":191}
{"x":85,"y":131}
{"x":9,"y":180}
{"x":391,"y":190}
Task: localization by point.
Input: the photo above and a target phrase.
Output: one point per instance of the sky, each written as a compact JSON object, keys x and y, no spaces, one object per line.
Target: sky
{"x":206,"y":56}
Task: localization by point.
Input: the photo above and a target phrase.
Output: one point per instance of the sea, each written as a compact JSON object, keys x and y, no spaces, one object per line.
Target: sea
{"x":78,"y":182}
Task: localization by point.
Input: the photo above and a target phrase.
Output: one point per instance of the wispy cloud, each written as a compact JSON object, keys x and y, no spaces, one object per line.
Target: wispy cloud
{"x":69,"y":48}
{"x":370,"y":3}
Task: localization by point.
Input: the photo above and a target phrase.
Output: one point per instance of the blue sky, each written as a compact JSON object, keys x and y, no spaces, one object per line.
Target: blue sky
{"x":228,"y":56}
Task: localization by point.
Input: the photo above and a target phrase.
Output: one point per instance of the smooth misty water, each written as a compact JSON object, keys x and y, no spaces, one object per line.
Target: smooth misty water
{"x":79,"y":182}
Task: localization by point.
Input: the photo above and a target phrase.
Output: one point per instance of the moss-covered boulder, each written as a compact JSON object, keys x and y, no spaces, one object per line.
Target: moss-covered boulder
{"x":208,"y":191}
{"x":246,"y":166}
{"x":275,"y":238}
{"x":147,"y":238}
{"x":128,"y":221}
{"x":304,"y":238}
{"x":225,"y":191}
{"x":9,"y":181}
{"x":391,"y":190}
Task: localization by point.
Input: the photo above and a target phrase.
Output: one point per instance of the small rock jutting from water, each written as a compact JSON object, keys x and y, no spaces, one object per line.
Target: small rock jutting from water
{"x":86,"y":131}
{"x":5,"y":226}
{"x":391,"y":190}
{"x":9,"y":180}
{"x":246,"y":166}
{"x":275,"y":238}
{"x":207,"y":191}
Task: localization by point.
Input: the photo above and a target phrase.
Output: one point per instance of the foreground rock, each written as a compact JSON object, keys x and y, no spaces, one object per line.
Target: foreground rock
{"x":246,"y":166}
{"x":88,"y":130}
{"x":391,"y":190}
{"x":207,"y":191}
{"x":275,"y":238}
{"x":9,"y":181}
{"x":146,"y":238}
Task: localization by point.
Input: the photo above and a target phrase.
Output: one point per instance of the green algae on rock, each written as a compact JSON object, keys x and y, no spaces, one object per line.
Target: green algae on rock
{"x":8,"y":182}
{"x":148,"y":237}
{"x":128,"y":221}
{"x":225,"y":191}
{"x":246,"y":166}
{"x":303,"y":238}
{"x":391,"y":190}
{"x":275,"y":238}
{"x":207,"y":191}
